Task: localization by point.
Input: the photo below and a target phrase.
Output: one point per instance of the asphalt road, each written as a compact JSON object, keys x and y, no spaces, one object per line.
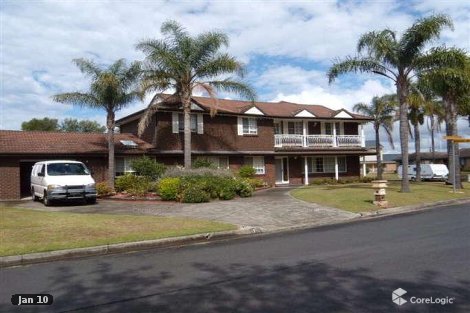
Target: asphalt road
{"x":349,"y":268}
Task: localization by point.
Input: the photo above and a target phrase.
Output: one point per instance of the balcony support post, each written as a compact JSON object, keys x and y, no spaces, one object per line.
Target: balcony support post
{"x":304,"y":133}
{"x":336,"y":168}
{"x":363,"y":137}
{"x":305,"y":171}
{"x":335,"y":143}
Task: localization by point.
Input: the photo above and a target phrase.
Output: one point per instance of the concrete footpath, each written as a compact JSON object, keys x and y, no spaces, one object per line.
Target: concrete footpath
{"x":267,"y":212}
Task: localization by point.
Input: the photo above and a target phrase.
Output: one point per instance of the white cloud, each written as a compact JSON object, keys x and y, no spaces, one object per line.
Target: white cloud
{"x":40,"y":38}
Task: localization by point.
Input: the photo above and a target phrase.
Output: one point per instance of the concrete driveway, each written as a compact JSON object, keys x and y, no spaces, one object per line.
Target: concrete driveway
{"x":267,"y":210}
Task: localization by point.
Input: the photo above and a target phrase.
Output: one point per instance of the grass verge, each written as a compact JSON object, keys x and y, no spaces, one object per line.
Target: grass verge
{"x":359,"y":197}
{"x":28,"y":231}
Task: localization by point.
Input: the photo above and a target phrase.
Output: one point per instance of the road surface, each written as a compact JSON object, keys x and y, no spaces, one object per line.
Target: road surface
{"x":348,"y":268}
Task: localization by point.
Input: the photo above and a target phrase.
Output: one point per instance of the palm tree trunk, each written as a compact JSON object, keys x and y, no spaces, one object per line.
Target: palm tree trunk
{"x":433,"y":147}
{"x":378,"y":153}
{"x":453,"y":154}
{"x":187,"y":129}
{"x":402,"y":91}
{"x":110,"y":128}
{"x":417,"y":151}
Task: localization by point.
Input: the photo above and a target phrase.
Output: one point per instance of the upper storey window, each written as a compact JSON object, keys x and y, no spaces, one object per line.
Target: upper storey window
{"x":247,"y":126}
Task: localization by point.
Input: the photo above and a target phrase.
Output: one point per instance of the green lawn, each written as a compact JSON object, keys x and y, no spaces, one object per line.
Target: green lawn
{"x":27,"y":231}
{"x":358,"y":197}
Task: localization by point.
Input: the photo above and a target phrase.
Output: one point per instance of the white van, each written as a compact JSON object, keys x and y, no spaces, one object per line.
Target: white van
{"x":62,"y":180}
{"x":428,"y":172}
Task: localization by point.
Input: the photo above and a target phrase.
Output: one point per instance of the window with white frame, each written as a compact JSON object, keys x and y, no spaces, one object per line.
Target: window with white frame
{"x":181,"y":122}
{"x":123,"y":166}
{"x":295,"y":128}
{"x":250,"y":126}
{"x":326,"y":164}
{"x":219,"y":162}
{"x":278,"y":128}
{"x":329,"y":128}
{"x":257,"y":162}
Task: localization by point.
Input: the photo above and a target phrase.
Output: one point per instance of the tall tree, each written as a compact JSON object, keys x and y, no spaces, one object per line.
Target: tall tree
{"x":382,"y":110}
{"x":453,"y":85}
{"x":82,"y":126}
{"x":416,"y":118}
{"x":184,"y":63}
{"x":381,"y":53}
{"x":433,"y":109}
{"x":111,"y":89}
{"x":44,"y":124}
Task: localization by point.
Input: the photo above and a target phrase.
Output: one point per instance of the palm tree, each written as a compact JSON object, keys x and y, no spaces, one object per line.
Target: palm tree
{"x":453,"y":85}
{"x":183,"y":63}
{"x":111,"y":89}
{"x":398,"y":60}
{"x":416,"y":118}
{"x":382,"y":111}
{"x":433,"y":109}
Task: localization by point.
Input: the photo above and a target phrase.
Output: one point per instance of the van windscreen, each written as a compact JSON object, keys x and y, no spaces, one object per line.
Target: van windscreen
{"x":62,"y":169}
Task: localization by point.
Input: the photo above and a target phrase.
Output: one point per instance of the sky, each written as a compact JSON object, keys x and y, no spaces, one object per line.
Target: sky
{"x":286,"y":46}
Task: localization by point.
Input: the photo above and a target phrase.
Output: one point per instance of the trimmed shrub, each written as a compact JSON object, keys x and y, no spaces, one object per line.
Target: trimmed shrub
{"x":148,"y":167}
{"x":203,"y":163}
{"x":175,"y":171}
{"x":194,"y":194}
{"x":256,"y":182}
{"x":125,"y":182}
{"x":103,"y":189}
{"x":246,"y":171}
{"x":134,"y":185}
{"x":169,"y":188}
{"x":244,"y":188}
{"x":227,"y":188}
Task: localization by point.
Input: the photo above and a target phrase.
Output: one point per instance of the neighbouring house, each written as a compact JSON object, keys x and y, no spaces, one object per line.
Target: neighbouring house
{"x":369,"y":163}
{"x":287,"y":143}
{"x":19,"y":150}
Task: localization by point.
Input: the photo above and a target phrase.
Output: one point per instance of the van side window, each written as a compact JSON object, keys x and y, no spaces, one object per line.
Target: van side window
{"x":41,"y":169}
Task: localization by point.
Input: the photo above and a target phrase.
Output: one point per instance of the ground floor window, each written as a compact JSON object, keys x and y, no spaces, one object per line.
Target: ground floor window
{"x":220,"y":162}
{"x":123,"y":166}
{"x":257,"y":162}
{"x":326,"y":164}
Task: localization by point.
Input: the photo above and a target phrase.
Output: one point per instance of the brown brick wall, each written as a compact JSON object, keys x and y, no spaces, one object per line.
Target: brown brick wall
{"x":220,"y":134}
{"x":9,"y":178}
{"x":149,"y":134}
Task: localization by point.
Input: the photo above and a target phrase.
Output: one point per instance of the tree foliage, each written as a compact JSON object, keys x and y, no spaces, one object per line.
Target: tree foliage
{"x":184,"y":64}
{"x":382,"y":111}
{"x":81,"y":126}
{"x":400,"y":59}
{"x":43,"y":124}
{"x":111,"y":89}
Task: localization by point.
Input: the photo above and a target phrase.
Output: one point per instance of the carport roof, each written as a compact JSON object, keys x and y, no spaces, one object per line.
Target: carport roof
{"x":41,"y":142}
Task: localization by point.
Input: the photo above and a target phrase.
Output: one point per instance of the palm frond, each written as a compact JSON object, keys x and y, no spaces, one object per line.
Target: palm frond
{"x":358,"y":64}
{"x":87,"y":67}
{"x":234,"y":86}
{"x":79,"y":99}
{"x":420,"y":33}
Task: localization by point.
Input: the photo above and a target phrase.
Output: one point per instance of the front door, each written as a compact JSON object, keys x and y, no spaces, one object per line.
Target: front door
{"x":282,"y":170}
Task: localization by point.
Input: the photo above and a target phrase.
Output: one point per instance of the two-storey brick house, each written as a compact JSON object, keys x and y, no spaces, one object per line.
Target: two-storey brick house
{"x":286,"y":143}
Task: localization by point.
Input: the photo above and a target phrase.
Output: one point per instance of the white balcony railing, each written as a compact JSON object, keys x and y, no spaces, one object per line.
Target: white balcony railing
{"x":318,"y":141}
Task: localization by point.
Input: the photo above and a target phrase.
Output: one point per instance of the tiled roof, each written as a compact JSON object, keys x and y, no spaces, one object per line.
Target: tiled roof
{"x":272,"y":109}
{"x":40,"y":142}
{"x":280,"y":109}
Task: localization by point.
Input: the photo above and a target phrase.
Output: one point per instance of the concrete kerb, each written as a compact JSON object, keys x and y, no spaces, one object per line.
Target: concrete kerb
{"x":25,"y":259}
{"x":411,"y":208}
{"x":8,"y":261}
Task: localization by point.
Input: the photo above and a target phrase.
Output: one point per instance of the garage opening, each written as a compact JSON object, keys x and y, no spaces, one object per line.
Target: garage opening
{"x":25,"y":178}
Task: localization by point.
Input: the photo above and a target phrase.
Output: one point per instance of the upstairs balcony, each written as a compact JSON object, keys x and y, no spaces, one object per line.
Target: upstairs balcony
{"x":318,"y":141}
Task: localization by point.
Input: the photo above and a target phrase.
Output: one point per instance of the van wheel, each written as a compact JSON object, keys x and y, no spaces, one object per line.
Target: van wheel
{"x":413,"y":178}
{"x":33,"y":195}
{"x":46,"y":200}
